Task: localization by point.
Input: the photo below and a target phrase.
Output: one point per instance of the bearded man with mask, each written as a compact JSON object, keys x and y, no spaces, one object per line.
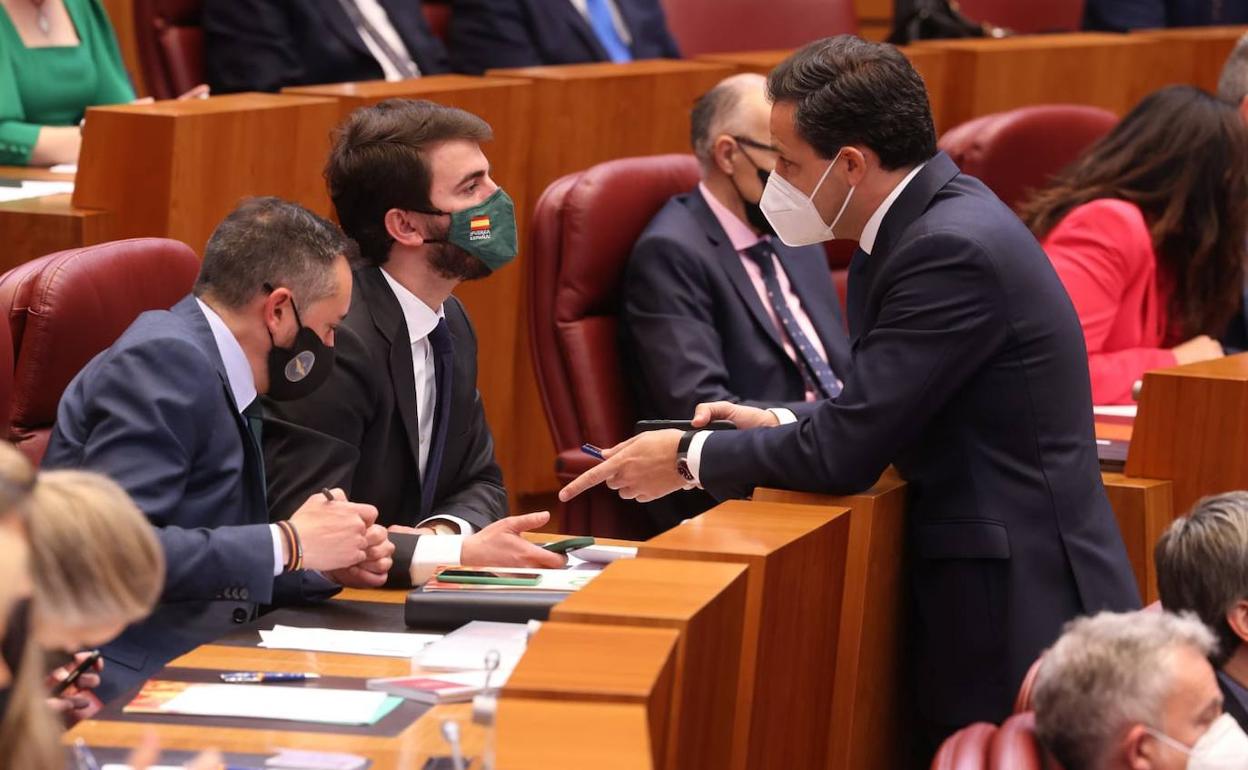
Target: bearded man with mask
{"x":400,"y":424}
{"x":715,"y":307}
{"x":171,"y":412}
{"x":969,"y":375}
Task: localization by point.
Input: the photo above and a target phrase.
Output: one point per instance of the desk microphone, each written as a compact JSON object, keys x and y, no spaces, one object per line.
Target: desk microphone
{"x":450,"y":732}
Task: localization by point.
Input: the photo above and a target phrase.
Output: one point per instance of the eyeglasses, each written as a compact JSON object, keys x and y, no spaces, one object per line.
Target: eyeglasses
{"x":748,"y":142}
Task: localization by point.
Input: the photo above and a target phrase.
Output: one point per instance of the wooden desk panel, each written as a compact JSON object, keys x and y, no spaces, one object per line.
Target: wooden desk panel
{"x":1196,"y":55}
{"x":174,"y":169}
{"x":1143,"y":508}
{"x":705,"y":603}
{"x":870,"y":699}
{"x":493,"y":303}
{"x":795,"y":555}
{"x":37,"y":226}
{"x":541,"y":735}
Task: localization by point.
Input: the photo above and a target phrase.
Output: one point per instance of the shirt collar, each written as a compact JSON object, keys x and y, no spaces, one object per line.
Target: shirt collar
{"x":420,"y":319}
{"x":872,"y":228}
{"x":238,"y":374}
{"x":739,"y":233}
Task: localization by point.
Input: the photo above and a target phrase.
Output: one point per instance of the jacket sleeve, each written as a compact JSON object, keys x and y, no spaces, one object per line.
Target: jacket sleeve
{"x":249,"y":46}
{"x":937,"y":326}
{"x":670,"y":321}
{"x":1096,"y":250}
{"x":488,"y":34}
{"x":147,"y":420}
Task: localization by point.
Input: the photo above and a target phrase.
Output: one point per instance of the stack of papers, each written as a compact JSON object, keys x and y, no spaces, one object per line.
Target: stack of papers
{"x":468,"y":648}
{"x":1125,"y":410}
{"x":31,"y":189}
{"x":382,"y":644}
{"x":256,"y":701}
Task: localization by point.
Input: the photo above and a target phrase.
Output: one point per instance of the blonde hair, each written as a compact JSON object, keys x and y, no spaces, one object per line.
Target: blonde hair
{"x":94,"y":556}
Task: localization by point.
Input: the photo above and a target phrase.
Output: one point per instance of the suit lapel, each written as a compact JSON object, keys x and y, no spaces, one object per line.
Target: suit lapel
{"x":628,"y":14}
{"x":813,"y":286}
{"x":580,"y":27}
{"x":403,"y":15}
{"x":340,"y":24}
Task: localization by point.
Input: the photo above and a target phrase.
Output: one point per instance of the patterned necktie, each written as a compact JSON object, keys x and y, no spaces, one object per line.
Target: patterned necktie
{"x":854,"y":295}
{"x":406,"y":66}
{"x":443,"y":369}
{"x":601,"y":19}
{"x":814,"y":368}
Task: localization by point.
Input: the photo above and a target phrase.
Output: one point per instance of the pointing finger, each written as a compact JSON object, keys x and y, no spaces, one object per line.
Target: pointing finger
{"x":587,"y":480}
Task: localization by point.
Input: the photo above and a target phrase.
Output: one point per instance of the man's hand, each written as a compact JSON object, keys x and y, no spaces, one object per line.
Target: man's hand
{"x":334,"y":534}
{"x":642,"y":468}
{"x":78,"y":702}
{"x":378,"y":558}
{"x":500,"y":545}
{"x":744,"y":417}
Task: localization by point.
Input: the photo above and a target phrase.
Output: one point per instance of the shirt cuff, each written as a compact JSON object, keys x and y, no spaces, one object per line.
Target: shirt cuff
{"x":785,"y":416}
{"x":433,"y":551}
{"x":278,"y":563}
{"x":453,"y":524}
{"x":693,"y":458}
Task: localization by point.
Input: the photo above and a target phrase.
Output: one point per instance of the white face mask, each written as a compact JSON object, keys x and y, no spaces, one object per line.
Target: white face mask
{"x":794,"y":215}
{"x":1224,"y":746}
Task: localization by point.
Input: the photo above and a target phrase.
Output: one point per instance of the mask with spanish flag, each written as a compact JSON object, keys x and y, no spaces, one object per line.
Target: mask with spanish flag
{"x":487,"y":231}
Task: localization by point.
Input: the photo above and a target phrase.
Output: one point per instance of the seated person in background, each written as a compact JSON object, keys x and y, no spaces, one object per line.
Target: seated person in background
{"x":400,"y":424}
{"x":57,"y":57}
{"x":1135,"y":691}
{"x":1147,"y":232}
{"x":171,"y":413}
{"x":1123,"y":15}
{"x":715,"y":307}
{"x":262,"y":45}
{"x":487,"y":34}
{"x":1233,"y":88}
{"x":1202,"y":567}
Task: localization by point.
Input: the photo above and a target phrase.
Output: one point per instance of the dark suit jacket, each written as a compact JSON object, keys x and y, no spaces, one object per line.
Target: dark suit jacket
{"x":486,"y":34}
{"x":155,"y":413}
{"x":970,"y":375}
{"x":359,"y":430}
{"x":1123,"y":15}
{"x":266,"y":45}
{"x":1233,"y":700}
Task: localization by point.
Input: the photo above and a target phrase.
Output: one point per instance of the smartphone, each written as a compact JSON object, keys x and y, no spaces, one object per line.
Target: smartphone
{"x":485,"y":577}
{"x":647,"y":425}
{"x":86,"y":665}
{"x":568,"y":544}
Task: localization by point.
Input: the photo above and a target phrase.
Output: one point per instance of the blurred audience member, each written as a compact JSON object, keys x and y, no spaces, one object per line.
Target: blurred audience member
{"x":1233,"y":87}
{"x":1147,"y":232}
{"x":1123,"y":15}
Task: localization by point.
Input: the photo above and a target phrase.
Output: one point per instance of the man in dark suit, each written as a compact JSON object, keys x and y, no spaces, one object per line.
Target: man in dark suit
{"x":969,"y":375}
{"x":169,"y":413}
{"x":400,"y":424}
{"x":267,"y":45}
{"x":714,"y":307}
{"x":1124,"y":15}
{"x":488,"y":34}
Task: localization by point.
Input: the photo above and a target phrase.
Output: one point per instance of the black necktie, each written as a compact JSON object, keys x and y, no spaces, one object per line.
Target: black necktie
{"x":815,"y":369}
{"x":443,"y":369}
{"x":857,"y":288}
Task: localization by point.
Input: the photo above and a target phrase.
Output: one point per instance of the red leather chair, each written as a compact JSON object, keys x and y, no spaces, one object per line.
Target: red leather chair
{"x":438,"y":14}
{"x":1019,"y":151}
{"x":66,"y":307}
{"x":1026,"y":18}
{"x":1022,"y":702}
{"x":715,"y":26}
{"x":584,"y":227}
{"x":171,"y":45}
{"x":6,"y":371}
{"x":982,"y":746}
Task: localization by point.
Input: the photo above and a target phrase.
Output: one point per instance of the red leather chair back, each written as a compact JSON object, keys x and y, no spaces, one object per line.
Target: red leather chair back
{"x":967,"y":749}
{"x":1019,"y":151}
{"x":1027,"y":18}
{"x":584,"y":228}
{"x":1022,"y":701}
{"x":171,"y":45}
{"x":6,"y":370}
{"x":66,"y":307}
{"x":982,"y":746}
{"x":715,"y":26}
{"x":438,"y":14}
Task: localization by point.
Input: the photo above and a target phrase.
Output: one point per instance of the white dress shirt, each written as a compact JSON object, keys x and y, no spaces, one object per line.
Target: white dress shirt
{"x":866,"y":242}
{"x":582,"y":6}
{"x":372,"y":11}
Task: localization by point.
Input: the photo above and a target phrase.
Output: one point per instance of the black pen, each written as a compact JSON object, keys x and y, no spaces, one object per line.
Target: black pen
{"x":83,"y":667}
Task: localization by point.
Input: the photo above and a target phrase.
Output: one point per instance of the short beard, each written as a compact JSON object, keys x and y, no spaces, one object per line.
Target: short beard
{"x":455,"y":264}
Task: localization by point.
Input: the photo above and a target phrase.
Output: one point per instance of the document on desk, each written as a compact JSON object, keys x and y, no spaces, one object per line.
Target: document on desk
{"x":1124,"y":410}
{"x":379,"y":643}
{"x":30,"y":189}
{"x":262,"y":701}
{"x":467,"y":648}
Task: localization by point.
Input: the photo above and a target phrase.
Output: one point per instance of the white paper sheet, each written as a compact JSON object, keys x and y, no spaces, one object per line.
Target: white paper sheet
{"x":1128,"y":410}
{"x":34,"y":190}
{"x":298,"y":704}
{"x":466,"y":649}
{"x":381,"y":644}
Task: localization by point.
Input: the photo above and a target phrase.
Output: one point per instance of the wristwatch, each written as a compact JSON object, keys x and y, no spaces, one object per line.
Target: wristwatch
{"x":682,"y":456}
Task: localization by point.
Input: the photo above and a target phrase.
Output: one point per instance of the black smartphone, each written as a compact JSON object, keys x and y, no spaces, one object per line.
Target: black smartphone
{"x":568,"y":544}
{"x":83,"y":667}
{"x":647,"y":425}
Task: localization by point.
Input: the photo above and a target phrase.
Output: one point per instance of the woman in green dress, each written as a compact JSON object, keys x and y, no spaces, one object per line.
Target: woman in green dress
{"x":57,"y":57}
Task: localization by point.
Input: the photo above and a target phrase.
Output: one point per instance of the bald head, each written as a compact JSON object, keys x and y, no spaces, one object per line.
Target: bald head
{"x":737,"y":106}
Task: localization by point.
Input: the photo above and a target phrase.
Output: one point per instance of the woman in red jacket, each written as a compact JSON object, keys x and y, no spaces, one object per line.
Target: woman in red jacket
{"x":1147,"y":232}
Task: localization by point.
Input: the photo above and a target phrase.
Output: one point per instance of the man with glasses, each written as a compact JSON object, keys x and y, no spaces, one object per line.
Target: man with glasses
{"x":715,"y":307}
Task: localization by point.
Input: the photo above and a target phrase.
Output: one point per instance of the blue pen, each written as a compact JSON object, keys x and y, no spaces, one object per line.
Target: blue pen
{"x":260,"y":677}
{"x":592,"y":451}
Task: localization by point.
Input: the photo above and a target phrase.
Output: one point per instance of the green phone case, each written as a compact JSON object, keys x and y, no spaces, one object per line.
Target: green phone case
{"x":568,"y":544}
{"x":489,"y":581}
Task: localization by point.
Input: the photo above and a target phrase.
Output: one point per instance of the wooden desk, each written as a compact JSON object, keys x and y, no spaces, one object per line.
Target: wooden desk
{"x":796,"y":556}
{"x":542,"y":734}
{"x":1143,"y":509}
{"x":705,"y":603}
{"x":1195,"y":55}
{"x":36,"y":226}
{"x":494,"y":303}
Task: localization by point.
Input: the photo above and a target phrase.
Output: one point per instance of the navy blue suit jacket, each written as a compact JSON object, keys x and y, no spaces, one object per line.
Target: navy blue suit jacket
{"x":155,"y":413}
{"x":266,"y":45}
{"x":1122,"y":15}
{"x":970,"y":376}
{"x":488,"y":34}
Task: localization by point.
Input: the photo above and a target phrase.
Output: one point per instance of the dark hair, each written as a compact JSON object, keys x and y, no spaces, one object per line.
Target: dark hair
{"x":269,"y":240}
{"x":1181,"y":156}
{"x":848,"y":91}
{"x":378,"y":163}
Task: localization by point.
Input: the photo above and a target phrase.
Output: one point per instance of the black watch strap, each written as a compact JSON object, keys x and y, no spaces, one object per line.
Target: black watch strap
{"x":682,"y":455}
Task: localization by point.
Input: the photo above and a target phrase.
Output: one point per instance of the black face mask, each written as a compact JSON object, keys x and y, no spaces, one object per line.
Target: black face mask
{"x":296,"y":371}
{"x":753,"y":212}
{"x":13,"y":645}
